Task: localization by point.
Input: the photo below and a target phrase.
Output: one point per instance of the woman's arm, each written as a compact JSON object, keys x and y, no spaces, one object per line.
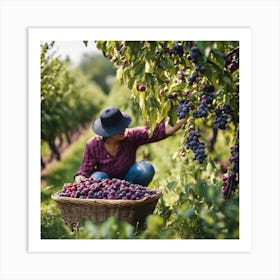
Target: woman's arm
{"x":140,"y":135}
{"x":169,"y":130}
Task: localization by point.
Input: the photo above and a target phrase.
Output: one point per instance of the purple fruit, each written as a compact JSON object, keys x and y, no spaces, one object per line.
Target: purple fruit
{"x":141,"y":88}
{"x":91,"y":188}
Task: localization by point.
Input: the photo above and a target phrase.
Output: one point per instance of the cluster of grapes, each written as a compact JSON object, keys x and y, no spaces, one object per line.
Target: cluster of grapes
{"x":220,"y":120}
{"x":90,"y":188}
{"x":183,"y":109}
{"x":227,"y":109}
{"x":221,"y":116}
{"x":231,"y":181}
{"x":193,"y":56}
{"x":206,"y":99}
{"x":229,"y":184}
{"x":178,"y":49}
{"x":232,"y":63}
{"x":195,"y":145}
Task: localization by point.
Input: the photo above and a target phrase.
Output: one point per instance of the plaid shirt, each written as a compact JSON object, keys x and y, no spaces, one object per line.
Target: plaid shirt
{"x":97,"y":158}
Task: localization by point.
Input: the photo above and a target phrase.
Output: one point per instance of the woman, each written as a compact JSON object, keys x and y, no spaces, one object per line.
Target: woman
{"x":112,"y":153}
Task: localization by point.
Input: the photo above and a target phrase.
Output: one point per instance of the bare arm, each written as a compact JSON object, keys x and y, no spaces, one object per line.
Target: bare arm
{"x":169,"y":130}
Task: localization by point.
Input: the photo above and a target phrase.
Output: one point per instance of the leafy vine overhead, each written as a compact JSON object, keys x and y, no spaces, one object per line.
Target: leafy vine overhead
{"x":197,"y":80}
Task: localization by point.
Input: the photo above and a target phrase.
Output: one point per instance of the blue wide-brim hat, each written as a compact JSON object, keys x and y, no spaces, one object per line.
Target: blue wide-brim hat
{"x":111,"y":122}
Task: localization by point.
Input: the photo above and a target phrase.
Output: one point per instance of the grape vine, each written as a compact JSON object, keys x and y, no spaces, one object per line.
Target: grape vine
{"x":177,"y":79}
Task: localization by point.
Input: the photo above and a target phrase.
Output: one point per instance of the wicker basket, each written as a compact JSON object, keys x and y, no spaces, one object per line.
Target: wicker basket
{"x":76,"y":210}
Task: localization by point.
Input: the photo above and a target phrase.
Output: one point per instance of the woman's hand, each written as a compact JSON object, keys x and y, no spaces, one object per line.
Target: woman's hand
{"x":79,"y":178}
{"x":169,"y":130}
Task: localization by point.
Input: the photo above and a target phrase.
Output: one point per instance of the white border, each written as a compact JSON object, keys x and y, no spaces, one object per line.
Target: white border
{"x":263,"y":16}
{"x":36,"y":35}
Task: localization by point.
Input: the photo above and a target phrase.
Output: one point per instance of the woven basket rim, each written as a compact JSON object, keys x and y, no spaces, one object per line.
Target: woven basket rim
{"x":83,"y":201}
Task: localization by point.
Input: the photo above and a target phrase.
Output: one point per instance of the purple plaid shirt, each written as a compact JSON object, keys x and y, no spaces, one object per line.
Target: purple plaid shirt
{"x":96,"y":157}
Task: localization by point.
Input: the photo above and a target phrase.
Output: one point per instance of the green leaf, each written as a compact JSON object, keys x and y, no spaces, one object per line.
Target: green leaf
{"x":207,"y":52}
{"x":219,"y":58}
{"x":177,"y":87}
{"x":126,"y":231}
{"x":184,"y":210}
{"x":152,"y":119}
{"x":213,"y":193}
{"x":139,"y":70}
{"x":212,"y":76}
{"x":204,"y":47}
{"x":201,"y":187}
{"x":165,"y":109}
{"x":130,"y":82}
{"x":188,"y":213}
{"x":155,"y":88}
{"x":171,"y":185}
{"x":154,"y":223}
{"x":119,"y":74}
{"x":153,"y":102}
{"x":227,"y":80}
{"x":149,"y":67}
{"x":167,"y":64}
{"x":142,"y":105}
{"x":172,"y":114}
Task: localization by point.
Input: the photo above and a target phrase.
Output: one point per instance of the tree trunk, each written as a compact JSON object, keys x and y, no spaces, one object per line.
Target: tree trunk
{"x":54,"y":149}
{"x":43,"y":164}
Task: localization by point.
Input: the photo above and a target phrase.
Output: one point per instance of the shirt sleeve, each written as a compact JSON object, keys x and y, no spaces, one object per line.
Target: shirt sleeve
{"x":88,"y":162}
{"x":141,"y":136}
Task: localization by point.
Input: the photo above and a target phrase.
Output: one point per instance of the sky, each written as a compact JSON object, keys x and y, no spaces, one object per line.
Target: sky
{"x":75,"y":50}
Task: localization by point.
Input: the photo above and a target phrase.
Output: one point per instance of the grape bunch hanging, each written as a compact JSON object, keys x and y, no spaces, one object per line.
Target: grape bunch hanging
{"x":231,"y":181}
{"x":197,"y":146}
{"x":206,"y":107}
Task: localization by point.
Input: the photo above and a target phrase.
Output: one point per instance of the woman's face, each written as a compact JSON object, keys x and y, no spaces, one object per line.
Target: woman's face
{"x":120,"y":136}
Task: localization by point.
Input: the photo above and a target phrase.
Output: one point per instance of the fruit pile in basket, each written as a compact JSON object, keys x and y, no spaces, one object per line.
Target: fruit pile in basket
{"x":90,"y":188}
